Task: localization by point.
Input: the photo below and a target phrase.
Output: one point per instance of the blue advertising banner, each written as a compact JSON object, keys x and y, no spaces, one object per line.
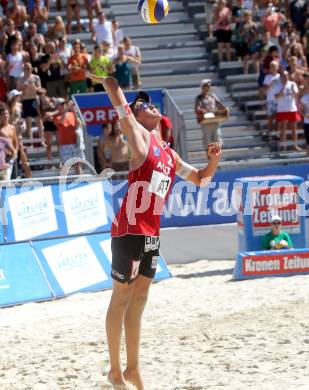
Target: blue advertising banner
{"x":97,"y":110}
{"x":189,"y":205}
{"x":81,"y":264}
{"x":259,"y":264}
{"x":57,"y":210}
{"x":21,"y":278}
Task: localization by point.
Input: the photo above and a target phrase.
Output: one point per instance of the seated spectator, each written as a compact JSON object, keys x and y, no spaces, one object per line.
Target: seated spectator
{"x":100,"y":65}
{"x":304,"y":108}
{"x":77,"y":67}
{"x":30,"y":85}
{"x":222,"y":16}
{"x":166,"y":130}
{"x":8,"y":132}
{"x":272,"y":85}
{"x":134,"y":53}
{"x":73,"y":9}
{"x":287,"y":112}
{"x":123,"y":68}
{"x":119,"y":152}
{"x":276,"y":238}
{"x":67,"y":125}
{"x":39,"y":17}
{"x":208,"y":103}
{"x":103,"y":30}
{"x":57,"y":30}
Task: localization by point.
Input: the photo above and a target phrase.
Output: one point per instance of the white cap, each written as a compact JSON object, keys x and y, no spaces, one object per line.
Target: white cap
{"x":59,"y":101}
{"x":204,"y":82}
{"x":13,"y":93}
{"x":275,"y":218}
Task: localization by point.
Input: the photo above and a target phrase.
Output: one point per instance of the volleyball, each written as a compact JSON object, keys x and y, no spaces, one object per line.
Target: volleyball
{"x":153,"y":11}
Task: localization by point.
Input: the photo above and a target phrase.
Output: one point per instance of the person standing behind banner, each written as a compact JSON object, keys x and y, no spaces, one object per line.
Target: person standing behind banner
{"x":205,"y":103}
{"x":276,"y":239}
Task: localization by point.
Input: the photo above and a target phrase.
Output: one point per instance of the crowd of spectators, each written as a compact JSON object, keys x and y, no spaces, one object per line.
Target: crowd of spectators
{"x":40,"y":71}
{"x":273,"y":38}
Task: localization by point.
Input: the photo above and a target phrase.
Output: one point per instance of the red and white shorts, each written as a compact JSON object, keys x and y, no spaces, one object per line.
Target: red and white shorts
{"x":288,"y":116}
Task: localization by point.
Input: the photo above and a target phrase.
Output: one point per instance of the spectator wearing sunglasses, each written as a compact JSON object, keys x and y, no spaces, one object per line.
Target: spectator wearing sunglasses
{"x":276,"y":238}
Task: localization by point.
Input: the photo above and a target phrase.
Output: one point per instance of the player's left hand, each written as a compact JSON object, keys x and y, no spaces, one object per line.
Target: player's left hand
{"x":214,"y":151}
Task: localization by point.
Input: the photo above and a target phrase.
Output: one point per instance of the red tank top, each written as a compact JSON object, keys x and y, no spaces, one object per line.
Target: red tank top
{"x":148,"y":189}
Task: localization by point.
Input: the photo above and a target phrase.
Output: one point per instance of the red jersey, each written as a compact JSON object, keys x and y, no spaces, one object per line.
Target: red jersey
{"x":148,"y":189}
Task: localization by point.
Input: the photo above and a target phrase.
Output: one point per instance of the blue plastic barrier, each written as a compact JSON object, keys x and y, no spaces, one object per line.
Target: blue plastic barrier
{"x":259,"y":264}
{"x":21,"y":276}
{"x":56,"y":268}
{"x":265,"y":196}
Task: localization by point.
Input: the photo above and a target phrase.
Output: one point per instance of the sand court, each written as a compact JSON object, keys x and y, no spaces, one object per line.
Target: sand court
{"x":200,"y":331}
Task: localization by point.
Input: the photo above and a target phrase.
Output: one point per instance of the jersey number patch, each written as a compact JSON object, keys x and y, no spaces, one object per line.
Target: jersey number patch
{"x":159,"y":184}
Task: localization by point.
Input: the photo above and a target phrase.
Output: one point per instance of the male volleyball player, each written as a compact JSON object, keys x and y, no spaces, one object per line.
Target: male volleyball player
{"x":135,"y":229}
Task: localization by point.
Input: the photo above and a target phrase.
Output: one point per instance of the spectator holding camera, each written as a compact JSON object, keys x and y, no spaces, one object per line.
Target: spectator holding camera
{"x":207,"y":104}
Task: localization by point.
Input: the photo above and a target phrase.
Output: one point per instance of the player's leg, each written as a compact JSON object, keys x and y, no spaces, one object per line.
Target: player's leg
{"x":132,"y":324}
{"x":114,"y":322}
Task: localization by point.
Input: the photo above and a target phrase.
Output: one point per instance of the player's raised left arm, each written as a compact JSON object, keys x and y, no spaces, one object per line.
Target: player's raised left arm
{"x":200,"y":177}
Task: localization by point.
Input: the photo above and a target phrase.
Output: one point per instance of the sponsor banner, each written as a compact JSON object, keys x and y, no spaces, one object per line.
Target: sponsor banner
{"x":271,"y":263}
{"x":21,"y":278}
{"x":265,"y":196}
{"x":97,"y":110}
{"x":78,"y":206}
{"x":275,"y":200}
{"x":74,"y":265}
{"x":33,"y":213}
{"x":84,"y":208}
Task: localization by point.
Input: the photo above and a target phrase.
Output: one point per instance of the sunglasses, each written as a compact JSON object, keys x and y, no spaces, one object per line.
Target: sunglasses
{"x":143,"y":106}
{"x":276,"y":223}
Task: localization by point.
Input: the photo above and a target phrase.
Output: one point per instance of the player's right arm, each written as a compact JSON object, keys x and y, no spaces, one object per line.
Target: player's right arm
{"x":138,"y":137}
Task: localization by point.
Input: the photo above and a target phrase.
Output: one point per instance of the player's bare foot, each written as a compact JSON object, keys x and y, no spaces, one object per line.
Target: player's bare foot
{"x":116,"y":379}
{"x":134,"y":377}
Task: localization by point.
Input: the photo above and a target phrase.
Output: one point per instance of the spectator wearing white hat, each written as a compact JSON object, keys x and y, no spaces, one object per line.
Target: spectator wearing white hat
{"x":207,"y":104}
{"x":276,"y":238}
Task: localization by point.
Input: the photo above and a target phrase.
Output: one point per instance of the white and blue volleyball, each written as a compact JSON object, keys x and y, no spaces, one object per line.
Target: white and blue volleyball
{"x":153,"y":11}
